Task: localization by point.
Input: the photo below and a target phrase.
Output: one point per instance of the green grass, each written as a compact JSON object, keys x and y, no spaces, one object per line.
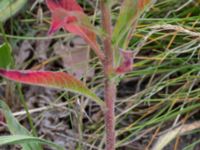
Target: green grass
{"x":164,"y":90}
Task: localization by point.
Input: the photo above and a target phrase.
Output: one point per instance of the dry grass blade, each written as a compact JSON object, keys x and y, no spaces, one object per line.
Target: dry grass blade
{"x":177,"y":29}
{"x":169,"y":136}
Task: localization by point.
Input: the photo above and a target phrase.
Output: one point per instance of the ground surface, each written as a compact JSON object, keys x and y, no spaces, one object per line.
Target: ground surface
{"x":159,"y":95}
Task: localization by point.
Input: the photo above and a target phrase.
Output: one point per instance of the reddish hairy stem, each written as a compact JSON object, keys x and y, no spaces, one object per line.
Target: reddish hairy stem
{"x":110,"y":92}
{"x":110,"y":86}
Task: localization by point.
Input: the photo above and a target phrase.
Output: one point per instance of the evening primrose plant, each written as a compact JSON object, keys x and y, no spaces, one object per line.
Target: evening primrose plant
{"x":110,"y":48}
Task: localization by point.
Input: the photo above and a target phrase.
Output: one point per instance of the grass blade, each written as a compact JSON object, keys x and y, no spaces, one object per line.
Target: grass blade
{"x":24,"y":139}
{"x":16,"y":129}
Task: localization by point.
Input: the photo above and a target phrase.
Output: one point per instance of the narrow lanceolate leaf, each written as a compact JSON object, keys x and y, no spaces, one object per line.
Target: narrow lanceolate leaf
{"x":6,"y":59}
{"x":67,"y":14}
{"x":24,"y":139}
{"x":10,"y":7}
{"x":126,"y":64}
{"x":59,"y":80}
{"x":70,"y":5}
{"x":130,"y":11}
{"x":16,"y":129}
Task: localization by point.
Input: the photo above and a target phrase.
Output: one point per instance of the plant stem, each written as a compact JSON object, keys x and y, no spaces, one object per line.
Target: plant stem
{"x":109,"y":97}
{"x":110,"y":86}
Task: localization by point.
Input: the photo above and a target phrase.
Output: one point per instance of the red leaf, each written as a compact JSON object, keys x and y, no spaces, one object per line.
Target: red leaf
{"x":70,"y":5}
{"x":58,"y":20}
{"x":85,"y":33}
{"x":127,"y":62}
{"x":59,"y":80}
{"x":142,"y":3}
{"x":69,"y":15}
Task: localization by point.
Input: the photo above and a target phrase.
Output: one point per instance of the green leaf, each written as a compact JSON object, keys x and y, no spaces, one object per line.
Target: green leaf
{"x":24,"y":139}
{"x":60,"y":80}
{"x":6,"y":59}
{"x":16,"y":129}
{"x":10,"y":7}
{"x":129,"y":13}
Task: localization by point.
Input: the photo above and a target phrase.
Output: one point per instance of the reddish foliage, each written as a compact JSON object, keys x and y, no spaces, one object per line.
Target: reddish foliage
{"x":70,"y":5}
{"x":60,"y":10}
{"x":142,"y":3}
{"x":42,"y":78}
{"x":69,"y":15}
{"x":127,"y":62}
{"x":58,"y":80}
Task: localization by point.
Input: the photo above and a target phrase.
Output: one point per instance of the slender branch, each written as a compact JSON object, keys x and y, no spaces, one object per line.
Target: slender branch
{"x":110,"y":86}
